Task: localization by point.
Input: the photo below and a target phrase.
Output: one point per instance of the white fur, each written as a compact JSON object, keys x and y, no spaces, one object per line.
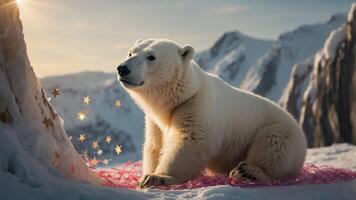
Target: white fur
{"x":194,"y":120}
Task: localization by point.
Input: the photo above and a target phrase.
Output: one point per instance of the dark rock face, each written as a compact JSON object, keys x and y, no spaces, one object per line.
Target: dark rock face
{"x":268,"y":74}
{"x":226,"y":40}
{"x":292,"y":97}
{"x":224,"y":45}
{"x":328,"y":113}
{"x":233,"y":68}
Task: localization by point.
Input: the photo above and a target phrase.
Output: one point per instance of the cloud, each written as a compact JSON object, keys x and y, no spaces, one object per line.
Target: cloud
{"x":230,"y":9}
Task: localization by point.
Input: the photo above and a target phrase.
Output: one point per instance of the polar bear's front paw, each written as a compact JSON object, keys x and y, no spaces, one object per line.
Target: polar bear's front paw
{"x":150,"y":180}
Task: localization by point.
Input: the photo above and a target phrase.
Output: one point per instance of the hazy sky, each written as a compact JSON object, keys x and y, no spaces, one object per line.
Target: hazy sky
{"x":67,"y":36}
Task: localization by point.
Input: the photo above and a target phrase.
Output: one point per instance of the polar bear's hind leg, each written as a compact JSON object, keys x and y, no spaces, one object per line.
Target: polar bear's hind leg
{"x":270,"y":156}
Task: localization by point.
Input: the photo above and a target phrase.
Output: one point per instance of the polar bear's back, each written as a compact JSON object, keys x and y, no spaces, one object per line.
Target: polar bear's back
{"x":239,"y":114}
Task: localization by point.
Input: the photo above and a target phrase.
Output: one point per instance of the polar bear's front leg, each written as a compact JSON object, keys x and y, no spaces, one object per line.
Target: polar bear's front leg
{"x":152,"y":147}
{"x":182,"y":159}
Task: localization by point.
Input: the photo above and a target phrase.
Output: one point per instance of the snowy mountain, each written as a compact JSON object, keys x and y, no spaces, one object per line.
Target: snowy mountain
{"x":271,"y":73}
{"x":321,"y":92}
{"x":123,"y":124}
{"x":232,"y":56}
{"x":263,"y":66}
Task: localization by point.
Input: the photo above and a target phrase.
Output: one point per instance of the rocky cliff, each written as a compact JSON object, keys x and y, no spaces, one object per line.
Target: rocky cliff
{"x":326,"y":84}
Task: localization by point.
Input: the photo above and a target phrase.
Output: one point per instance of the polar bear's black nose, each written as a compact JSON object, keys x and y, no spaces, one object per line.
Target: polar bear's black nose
{"x":123,"y":70}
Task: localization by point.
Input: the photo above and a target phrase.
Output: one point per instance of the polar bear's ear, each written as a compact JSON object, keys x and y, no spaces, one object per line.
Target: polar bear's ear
{"x":138,"y":41}
{"x":187,"y":53}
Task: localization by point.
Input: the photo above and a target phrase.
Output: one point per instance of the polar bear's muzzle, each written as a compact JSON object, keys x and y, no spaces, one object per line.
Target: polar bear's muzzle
{"x":123,"y":70}
{"x":125,"y":76}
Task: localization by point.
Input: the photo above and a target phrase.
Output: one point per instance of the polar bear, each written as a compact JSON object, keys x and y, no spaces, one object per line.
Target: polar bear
{"x":196,"y":121}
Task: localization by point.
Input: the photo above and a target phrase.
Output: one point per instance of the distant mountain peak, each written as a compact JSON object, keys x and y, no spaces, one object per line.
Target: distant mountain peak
{"x":82,"y":80}
{"x":271,"y":73}
{"x":337,"y":18}
{"x":232,"y":55}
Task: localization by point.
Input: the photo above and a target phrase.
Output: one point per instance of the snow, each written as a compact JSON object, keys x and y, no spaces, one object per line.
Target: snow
{"x":333,"y":42}
{"x":340,"y":155}
{"x":22,"y":177}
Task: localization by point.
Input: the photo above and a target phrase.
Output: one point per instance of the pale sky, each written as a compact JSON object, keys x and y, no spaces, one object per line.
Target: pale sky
{"x":68,"y":36}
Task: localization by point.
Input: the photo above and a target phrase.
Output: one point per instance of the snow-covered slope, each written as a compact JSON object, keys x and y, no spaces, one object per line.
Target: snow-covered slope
{"x":24,"y":106}
{"x":39,"y":184}
{"x":271,"y":74}
{"x":232,"y":56}
{"x":123,"y":124}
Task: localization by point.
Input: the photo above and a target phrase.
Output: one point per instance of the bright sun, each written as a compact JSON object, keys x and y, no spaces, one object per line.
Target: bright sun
{"x":19,"y":2}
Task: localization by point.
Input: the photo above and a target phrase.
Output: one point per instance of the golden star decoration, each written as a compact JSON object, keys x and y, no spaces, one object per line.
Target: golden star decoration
{"x":117,"y":103}
{"x":106,"y":161}
{"x":81,"y":116}
{"x":95,"y":144}
{"x":82,"y":137}
{"x":47,"y":122}
{"x":86,"y":100}
{"x":108,"y":139}
{"x":55,"y":92}
{"x":118,"y":149}
{"x":94,"y":161}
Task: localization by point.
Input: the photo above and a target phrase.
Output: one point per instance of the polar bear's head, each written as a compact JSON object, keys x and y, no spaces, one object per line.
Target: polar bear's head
{"x":153,"y":63}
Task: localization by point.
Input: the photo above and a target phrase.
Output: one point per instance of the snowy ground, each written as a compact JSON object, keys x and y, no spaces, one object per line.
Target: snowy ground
{"x":50,"y":187}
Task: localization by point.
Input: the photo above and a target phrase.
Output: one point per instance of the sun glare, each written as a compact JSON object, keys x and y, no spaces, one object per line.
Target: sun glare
{"x":19,"y":2}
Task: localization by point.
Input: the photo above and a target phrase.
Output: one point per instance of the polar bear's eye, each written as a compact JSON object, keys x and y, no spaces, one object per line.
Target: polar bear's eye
{"x":151,"y":58}
{"x":130,"y":54}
